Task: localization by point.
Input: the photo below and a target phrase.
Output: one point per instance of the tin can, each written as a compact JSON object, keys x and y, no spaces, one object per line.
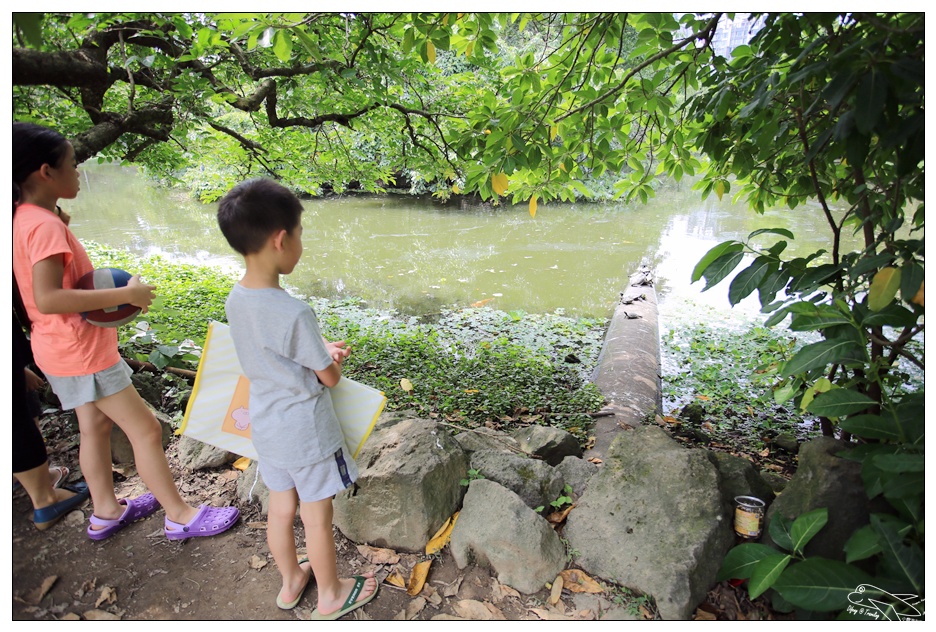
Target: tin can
{"x":748,"y":517}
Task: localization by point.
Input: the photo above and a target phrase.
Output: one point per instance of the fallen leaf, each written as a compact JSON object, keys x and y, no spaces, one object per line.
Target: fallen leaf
{"x":100,"y":615}
{"x":432,"y":595}
{"x":764,"y":452}
{"x":88,"y":586}
{"x":414,"y":606}
{"x":703,"y":398}
{"x":589,"y":443}
{"x":396,"y":579}
{"x":442,"y":536}
{"x":556,"y":591}
{"x":257,"y":562}
{"x":702,"y":615}
{"x":418,"y":578}
{"x":547,"y":615}
{"x":70,"y":616}
{"x":496,"y":613}
{"x":406,"y":385}
{"x":400,"y":616}
{"x":452,"y":589}
{"x":43,"y":589}
{"x":108,"y":595}
{"x":257,"y":525}
{"x":579,"y":582}
{"x":472,"y":609}
{"x":241,"y":464}
{"x":509,"y":592}
{"x":482,"y":302}
{"x":671,"y":420}
{"x":557,"y":517}
{"x":376,"y":555}
{"x":646,"y":613}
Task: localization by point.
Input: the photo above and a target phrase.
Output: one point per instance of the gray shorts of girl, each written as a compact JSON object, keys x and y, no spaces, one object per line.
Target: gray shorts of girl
{"x":76,"y":390}
{"x":312,"y":482}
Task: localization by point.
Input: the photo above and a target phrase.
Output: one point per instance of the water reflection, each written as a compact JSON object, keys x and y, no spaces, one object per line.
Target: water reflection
{"x":417,"y":256}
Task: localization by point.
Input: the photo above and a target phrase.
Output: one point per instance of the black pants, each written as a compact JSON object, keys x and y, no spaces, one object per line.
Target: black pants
{"x":29,"y":449}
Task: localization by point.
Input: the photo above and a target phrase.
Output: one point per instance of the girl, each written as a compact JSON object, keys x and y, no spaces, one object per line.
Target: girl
{"x":81,"y":361}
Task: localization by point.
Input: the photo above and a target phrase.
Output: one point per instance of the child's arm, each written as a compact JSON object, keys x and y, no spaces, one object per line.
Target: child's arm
{"x":52,"y":298}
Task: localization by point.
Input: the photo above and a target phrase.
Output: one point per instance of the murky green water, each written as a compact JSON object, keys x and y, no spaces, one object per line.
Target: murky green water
{"x":418,"y":256}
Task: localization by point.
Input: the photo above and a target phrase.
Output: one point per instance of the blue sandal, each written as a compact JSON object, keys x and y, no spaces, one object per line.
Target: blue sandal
{"x":45,"y":517}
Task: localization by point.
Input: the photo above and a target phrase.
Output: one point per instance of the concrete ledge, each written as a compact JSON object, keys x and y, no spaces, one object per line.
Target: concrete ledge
{"x":628,"y":371}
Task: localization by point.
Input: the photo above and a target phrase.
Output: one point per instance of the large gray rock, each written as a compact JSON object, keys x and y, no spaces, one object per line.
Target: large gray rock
{"x":486,"y":439}
{"x":496,"y":529}
{"x":550,"y":444}
{"x":197,"y":455}
{"x":653,"y":519}
{"x":739,"y":478}
{"x":409,"y":484}
{"x":823,"y":479}
{"x":576,"y":473}
{"x":535,"y":482}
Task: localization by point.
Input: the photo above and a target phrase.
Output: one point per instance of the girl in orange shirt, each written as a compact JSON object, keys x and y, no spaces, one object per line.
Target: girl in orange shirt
{"x":81,"y":361}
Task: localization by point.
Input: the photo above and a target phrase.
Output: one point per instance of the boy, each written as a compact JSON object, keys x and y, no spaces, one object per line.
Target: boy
{"x":302,"y":454}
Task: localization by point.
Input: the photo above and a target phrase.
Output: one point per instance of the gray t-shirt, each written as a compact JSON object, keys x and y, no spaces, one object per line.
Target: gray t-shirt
{"x":279,"y":347}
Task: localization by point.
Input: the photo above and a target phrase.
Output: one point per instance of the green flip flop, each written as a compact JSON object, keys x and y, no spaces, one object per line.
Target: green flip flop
{"x":350,"y":603}
{"x":295,"y":602}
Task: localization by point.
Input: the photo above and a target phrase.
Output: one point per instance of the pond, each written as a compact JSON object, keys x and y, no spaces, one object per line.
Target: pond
{"x":419,"y":256}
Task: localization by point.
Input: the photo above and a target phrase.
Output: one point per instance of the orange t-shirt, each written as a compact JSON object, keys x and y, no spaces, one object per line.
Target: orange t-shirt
{"x":63,"y":344}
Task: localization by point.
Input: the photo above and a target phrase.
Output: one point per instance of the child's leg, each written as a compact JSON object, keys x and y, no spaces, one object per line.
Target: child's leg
{"x":320,"y":544}
{"x":128,"y":410}
{"x":281,"y":519}
{"x":94,"y":455}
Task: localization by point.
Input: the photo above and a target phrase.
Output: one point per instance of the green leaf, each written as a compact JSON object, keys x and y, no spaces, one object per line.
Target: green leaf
{"x":772,"y":231}
{"x":872,"y":427}
{"x":869,"y":100}
{"x":779,"y":530}
{"x":31,"y":25}
{"x":893,"y":315}
{"x":899,"y":463}
{"x":806,"y":526}
{"x":720,"y":268}
{"x":741,"y":560}
{"x":862,"y":544}
{"x":766,"y":572}
{"x":822,"y":354}
{"x":839,"y":402}
{"x":282,"y":45}
{"x":905,"y":560}
{"x":748,"y":280}
{"x":713,"y":254}
{"x":819,"y":584}
{"x":911,"y":278}
{"x":883,"y":288}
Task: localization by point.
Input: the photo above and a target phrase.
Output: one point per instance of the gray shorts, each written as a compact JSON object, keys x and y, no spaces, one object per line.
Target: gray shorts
{"x":312,"y":482}
{"x":76,"y":390}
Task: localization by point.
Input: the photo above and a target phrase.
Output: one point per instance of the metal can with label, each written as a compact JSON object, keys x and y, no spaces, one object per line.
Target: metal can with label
{"x":748,"y":517}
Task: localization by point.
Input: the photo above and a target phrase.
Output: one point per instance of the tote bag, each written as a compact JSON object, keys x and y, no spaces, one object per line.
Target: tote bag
{"x":218,"y":411}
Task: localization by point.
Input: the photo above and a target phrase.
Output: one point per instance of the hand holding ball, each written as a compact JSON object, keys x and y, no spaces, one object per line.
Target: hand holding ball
{"x":109,"y":278}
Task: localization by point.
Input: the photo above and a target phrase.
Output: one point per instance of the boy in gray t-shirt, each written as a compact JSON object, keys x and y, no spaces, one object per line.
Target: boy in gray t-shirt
{"x":302,"y":454}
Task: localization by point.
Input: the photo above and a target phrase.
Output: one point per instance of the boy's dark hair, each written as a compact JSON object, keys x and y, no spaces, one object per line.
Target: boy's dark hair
{"x":254,"y":210}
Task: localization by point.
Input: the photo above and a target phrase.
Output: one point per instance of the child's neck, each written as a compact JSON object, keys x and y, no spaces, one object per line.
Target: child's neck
{"x":260,"y":274}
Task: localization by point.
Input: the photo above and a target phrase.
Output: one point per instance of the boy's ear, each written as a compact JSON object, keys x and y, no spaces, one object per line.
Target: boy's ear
{"x":278,"y":239}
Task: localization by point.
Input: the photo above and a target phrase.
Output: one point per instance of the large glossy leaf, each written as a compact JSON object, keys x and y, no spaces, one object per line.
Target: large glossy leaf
{"x":720,"y":268}
{"x":806,"y":526}
{"x":883,"y":288}
{"x":899,"y":463}
{"x":862,"y":544}
{"x":905,"y":561}
{"x":748,"y":280}
{"x":822,"y":354}
{"x":772,"y":231}
{"x":819,"y":584}
{"x":839,"y":402}
{"x":869,"y":100}
{"x":741,"y":560}
{"x":821,"y":319}
{"x":872,"y":427}
{"x":779,"y":530}
{"x":911,"y":278}
{"x":766,"y":572}
{"x":893,"y":315}
{"x":712,"y":255}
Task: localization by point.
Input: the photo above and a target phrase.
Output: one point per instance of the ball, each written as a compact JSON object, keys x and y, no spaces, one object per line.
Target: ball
{"x":103,"y":279}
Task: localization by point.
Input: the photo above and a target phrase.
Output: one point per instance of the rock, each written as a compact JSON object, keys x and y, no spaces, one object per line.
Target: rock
{"x":653,"y":519}
{"x":535,"y":482}
{"x":786,"y":441}
{"x":823,"y":479}
{"x":150,"y":387}
{"x":251,"y":489}
{"x":197,"y":455}
{"x":122,"y":451}
{"x":694,"y":413}
{"x":409,"y":484}
{"x":486,"y":439}
{"x":739,"y":478}
{"x":576,"y":473}
{"x":496,"y":529}
{"x":550,"y":444}
{"x":776,"y":481}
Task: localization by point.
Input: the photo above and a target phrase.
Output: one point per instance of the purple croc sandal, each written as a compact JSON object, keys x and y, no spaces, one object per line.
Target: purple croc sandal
{"x":137,"y":508}
{"x":208,"y":521}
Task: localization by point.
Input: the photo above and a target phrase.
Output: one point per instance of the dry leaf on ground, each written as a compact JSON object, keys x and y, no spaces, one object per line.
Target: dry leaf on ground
{"x":108,"y":595}
{"x":496,"y":613}
{"x":241,"y":464}
{"x":396,"y":579}
{"x":452,"y":589}
{"x":43,"y":589}
{"x":257,"y":562}
{"x":558,"y":517}
{"x":418,"y":578}
{"x":376,"y":555}
{"x":556,"y":591}
{"x":414,"y":606}
{"x":100,"y":615}
{"x":442,"y":536}
{"x":472,"y":609}
{"x":578,"y":581}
